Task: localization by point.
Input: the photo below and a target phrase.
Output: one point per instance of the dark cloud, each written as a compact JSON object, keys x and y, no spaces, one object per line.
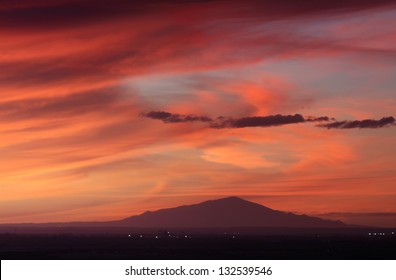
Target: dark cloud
{"x":273,"y":120}
{"x":224,"y":122}
{"x":318,"y":119}
{"x":175,"y":118}
{"x":360,"y":124}
{"x":266,"y":121}
{"x":159,"y":115}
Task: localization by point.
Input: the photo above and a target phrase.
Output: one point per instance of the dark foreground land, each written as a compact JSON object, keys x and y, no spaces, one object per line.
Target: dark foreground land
{"x":124,"y":244}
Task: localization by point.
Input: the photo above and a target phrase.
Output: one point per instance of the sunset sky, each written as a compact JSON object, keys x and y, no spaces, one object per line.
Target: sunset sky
{"x":112,"y":108}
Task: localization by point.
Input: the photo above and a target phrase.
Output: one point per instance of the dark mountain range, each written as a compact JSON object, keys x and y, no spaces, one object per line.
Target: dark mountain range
{"x":230,"y":212}
{"x":226,"y":212}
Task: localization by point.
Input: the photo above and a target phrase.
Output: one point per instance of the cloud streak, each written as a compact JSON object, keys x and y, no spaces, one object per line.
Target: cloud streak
{"x":175,"y":118}
{"x":368,"y":123}
{"x":63,"y":106}
{"x":226,"y":122}
{"x":266,"y":121}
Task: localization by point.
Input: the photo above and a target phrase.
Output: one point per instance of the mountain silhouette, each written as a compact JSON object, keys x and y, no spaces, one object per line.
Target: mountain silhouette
{"x":226,"y":212}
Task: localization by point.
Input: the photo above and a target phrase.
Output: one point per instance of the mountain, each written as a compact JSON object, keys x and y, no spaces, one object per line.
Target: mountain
{"x":226,"y":212}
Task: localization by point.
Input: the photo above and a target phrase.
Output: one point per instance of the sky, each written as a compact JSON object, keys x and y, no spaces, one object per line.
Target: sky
{"x":112,"y":108}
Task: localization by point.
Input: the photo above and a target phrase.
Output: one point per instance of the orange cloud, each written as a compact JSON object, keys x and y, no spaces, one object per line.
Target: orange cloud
{"x":75,"y":75}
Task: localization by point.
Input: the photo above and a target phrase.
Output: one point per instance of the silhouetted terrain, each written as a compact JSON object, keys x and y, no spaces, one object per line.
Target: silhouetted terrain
{"x":226,"y":212}
{"x":229,"y":228}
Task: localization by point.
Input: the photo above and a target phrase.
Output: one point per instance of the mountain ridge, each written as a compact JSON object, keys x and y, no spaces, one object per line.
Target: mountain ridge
{"x":228,"y":212}
{"x":225,"y":212}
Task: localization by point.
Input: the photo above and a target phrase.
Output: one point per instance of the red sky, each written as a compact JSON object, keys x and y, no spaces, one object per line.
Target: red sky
{"x":111,"y":108}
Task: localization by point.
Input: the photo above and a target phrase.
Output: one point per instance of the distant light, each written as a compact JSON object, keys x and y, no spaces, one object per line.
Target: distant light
{"x":233,"y":236}
{"x":141,"y":235}
{"x":185,"y":236}
{"x":393,"y":232}
{"x":129,"y":235}
{"x":369,"y":233}
{"x":156,"y":236}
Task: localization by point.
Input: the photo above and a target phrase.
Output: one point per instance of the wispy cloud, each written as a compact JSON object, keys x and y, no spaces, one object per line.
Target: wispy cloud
{"x":226,"y":122}
{"x":175,"y":118}
{"x":264,"y":121}
{"x":368,"y":123}
{"x":267,"y":121}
